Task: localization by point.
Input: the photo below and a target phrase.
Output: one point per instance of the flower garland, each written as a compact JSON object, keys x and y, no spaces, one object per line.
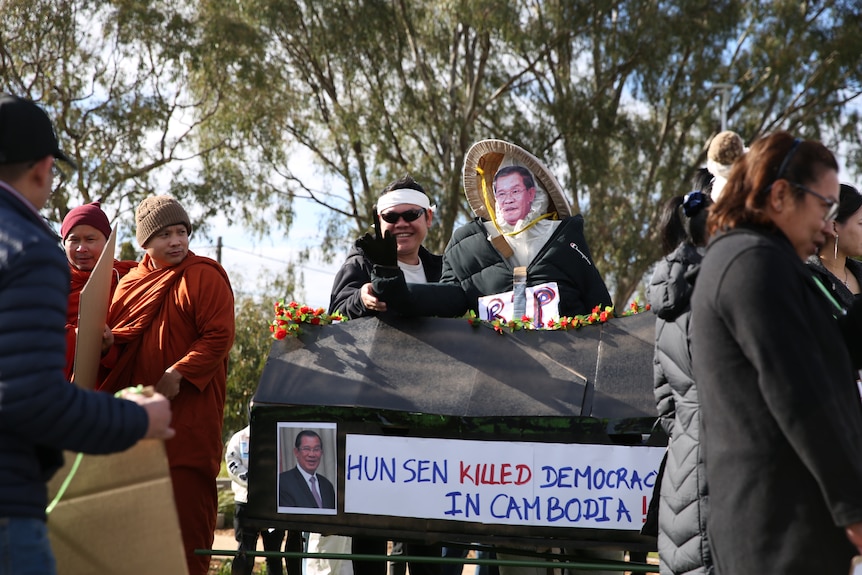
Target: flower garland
{"x":288,"y":318}
{"x":565,"y":323}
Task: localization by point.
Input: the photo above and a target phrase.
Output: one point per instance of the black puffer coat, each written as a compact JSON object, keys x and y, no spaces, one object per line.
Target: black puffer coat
{"x":472,"y":262}
{"x":346,"y":296}
{"x":682,"y":541}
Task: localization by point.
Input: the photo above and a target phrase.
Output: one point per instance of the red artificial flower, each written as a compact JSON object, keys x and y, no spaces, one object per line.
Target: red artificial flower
{"x":280,"y":333}
{"x":315,"y":320}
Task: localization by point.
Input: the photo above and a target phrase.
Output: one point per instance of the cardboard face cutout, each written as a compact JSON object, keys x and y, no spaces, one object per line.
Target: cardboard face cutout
{"x":517,"y":195}
{"x":514,"y":192}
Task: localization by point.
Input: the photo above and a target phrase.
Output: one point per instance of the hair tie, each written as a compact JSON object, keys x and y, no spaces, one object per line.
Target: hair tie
{"x":693,"y":203}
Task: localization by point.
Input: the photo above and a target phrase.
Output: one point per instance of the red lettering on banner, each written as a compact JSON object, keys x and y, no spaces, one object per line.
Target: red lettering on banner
{"x":494,"y":474}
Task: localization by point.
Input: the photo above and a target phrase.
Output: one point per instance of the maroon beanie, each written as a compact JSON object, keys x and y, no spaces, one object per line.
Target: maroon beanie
{"x":89,"y":215}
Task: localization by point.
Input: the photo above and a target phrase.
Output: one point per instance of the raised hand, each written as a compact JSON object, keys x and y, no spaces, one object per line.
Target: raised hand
{"x":381,"y":249}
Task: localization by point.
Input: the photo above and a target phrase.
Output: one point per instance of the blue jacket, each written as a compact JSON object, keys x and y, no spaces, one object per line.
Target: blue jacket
{"x":40,"y":412}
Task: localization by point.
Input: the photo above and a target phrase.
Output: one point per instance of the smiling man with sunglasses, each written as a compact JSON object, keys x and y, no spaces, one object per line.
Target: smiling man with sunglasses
{"x":405,"y":214}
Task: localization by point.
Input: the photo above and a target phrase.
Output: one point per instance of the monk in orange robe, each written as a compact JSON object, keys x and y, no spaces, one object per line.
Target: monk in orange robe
{"x":172,"y":318}
{"x":85,"y":232}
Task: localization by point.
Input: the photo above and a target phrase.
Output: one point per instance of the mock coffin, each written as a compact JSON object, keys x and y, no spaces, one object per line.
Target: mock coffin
{"x":435,"y":430}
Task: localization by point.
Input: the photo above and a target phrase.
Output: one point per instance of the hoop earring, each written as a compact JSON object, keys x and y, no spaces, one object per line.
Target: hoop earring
{"x":835,"y":253}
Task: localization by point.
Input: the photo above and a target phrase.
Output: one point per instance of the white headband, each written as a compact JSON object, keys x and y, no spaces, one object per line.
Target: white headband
{"x":403,"y":196}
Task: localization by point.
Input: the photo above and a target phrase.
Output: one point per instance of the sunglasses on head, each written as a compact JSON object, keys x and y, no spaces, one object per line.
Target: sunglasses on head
{"x":407,"y":215}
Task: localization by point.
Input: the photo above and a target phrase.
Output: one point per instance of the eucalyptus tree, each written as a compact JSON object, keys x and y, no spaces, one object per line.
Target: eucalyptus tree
{"x":620,"y":98}
{"x":369,"y":90}
{"x":630,"y":88}
{"x":243,"y":107}
{"x":112,"y":75}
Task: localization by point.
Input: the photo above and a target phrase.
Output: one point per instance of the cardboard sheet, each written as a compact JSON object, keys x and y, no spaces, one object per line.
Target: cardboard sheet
{"x":118,"y":515}
{"x":95,"y":300}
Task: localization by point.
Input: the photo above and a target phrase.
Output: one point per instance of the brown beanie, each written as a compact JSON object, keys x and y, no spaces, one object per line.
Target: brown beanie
{"x":156,"y":213}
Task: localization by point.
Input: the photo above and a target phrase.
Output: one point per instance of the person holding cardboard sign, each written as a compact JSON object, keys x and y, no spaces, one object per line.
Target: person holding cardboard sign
{"x":85,"y":231}
{"x":42,"y":413}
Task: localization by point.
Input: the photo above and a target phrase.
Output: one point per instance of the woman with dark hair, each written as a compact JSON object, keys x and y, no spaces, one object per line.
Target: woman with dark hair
{"x":835,"y":267}
{"x":682,"y":543}
{"x":781,"y":420}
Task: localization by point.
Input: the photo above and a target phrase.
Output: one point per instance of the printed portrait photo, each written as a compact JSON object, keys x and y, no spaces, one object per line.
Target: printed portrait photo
{"x":307,"y":468}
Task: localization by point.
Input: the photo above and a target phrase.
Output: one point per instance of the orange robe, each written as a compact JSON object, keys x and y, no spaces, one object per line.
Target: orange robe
{"x":181,"y":316}
{"x":79,"y":279}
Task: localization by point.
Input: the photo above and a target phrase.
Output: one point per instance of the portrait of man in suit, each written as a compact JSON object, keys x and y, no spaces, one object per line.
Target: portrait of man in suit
{"x":302,"y":486}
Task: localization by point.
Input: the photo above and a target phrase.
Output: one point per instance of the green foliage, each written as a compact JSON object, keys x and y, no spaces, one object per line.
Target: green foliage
{"x":127,"y":251}
{"x":247,"y":107}
{"x":617,"y":98}
{"x":113,"y":76}
{"x":247,"y":358}
{"x":227,"y":505}
{"x":223,"y":568}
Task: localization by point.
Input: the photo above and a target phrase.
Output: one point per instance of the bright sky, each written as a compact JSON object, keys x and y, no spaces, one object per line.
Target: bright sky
{"x":251,"y":263}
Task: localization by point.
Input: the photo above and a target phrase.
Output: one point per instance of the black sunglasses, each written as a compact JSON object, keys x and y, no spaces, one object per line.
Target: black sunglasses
{"x":408,"y":215}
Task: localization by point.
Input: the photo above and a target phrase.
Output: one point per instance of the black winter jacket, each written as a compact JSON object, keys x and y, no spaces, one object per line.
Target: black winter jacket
{"x":472,"y":268}
{"x":357,"y":271}
{"x":40,"y":412}
{"x":841,"y":292}
{"x":473,"y":263}
{"x":682,"y":541}
{"x":781,"y":420}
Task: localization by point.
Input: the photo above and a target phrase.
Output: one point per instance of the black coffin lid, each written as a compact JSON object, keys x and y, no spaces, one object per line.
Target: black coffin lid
{"x":434,"y":377}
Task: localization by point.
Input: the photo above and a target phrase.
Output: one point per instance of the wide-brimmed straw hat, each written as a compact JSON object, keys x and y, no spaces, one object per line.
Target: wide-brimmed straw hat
{"x":483,"y":160}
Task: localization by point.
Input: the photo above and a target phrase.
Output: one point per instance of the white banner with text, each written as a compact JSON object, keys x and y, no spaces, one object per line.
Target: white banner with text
{"x":497,"y":482}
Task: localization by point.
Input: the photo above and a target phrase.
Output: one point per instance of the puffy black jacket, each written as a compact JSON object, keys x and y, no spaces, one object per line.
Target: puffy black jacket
{"x":473,"y":263}
{"x":682,"y":542}
{"x":472,"y":268}
{"x":357,"y":271}
{"x":40,"y":412}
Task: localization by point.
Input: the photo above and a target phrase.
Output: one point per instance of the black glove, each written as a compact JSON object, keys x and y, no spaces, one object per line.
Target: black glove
{"x":389,"y":284}
{"x":381,"y":249}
